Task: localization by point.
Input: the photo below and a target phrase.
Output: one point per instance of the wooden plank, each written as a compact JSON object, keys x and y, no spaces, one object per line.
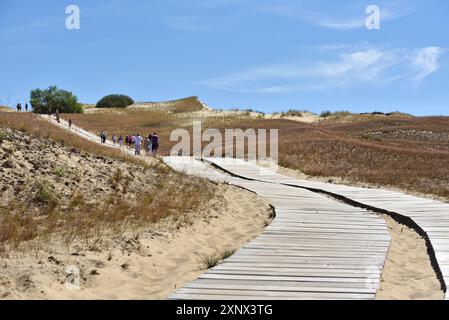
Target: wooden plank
{"x":280,"y":286}
{"x":258,"y":277}
{"x":340,"y":273}
{"x":222,"y":294}
{"x":320,"y":248}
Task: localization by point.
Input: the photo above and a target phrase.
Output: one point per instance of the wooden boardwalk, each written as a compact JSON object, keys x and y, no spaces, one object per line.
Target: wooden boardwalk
{"x":429,"y":217}
{"x":299,"y":213}
{"x":316,"y":248}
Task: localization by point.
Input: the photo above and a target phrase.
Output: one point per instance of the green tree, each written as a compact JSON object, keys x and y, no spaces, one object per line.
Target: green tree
{"x":115,"y":101}
{"x":52,"y":99}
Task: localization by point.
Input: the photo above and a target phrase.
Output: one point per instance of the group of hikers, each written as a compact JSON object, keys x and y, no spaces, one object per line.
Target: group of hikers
{"x":150,"y":144}
{"x":19,"y":107}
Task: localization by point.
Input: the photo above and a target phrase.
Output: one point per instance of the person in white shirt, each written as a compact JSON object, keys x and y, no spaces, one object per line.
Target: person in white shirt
{"x":138,"y":144}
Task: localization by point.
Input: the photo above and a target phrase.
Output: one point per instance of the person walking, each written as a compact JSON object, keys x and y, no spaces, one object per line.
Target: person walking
{"x":70,"y":124}
{"x":147,"y":146}
{"x":26,"y":107}
{"x":137,"y":144}
{"x":114,"y":138}
{"x":103,"y":137}
{"x":120,"y":141}
{"x":154,"y":143}
{"x":57,"y":116}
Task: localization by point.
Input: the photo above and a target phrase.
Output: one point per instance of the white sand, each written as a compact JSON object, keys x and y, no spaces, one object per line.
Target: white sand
{"x":407,"y":274}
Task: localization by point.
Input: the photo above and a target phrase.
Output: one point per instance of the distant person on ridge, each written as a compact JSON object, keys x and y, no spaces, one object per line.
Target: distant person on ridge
{"x":114,"y":138}
{"x":70,"y":124}
{"x":154,"y":144}
{"x":26,"y":107}
{"x":57,"y":116}
{"x":137,"y":144}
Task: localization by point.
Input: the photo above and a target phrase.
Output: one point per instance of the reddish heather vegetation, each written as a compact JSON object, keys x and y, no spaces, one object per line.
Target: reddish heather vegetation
{"x":410,"y":153}
{"x":403,"y":152}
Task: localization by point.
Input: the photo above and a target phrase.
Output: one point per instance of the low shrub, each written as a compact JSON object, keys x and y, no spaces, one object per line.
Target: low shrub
{"x":115,"y":101}
{"x":325,"y":114}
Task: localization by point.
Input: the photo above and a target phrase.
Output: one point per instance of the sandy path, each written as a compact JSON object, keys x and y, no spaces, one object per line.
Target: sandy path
{"x":407,"y":273}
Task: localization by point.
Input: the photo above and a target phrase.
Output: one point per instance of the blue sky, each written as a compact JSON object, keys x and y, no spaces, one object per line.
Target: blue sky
{"x":266,"y":55}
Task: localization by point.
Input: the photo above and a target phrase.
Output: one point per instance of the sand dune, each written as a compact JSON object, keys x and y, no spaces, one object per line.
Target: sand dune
{"x":148,"y":264}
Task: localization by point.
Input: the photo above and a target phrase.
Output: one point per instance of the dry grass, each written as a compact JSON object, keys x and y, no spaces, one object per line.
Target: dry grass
{"x":397,"y":150}
{"x":82,"y":219}
{"x":6,"y":109}
{"x":212,"y":259}
{"x":189,"y":104}
{"x":129,"y":122}
{"x":170,"y":194}
{"x":38,"y":127}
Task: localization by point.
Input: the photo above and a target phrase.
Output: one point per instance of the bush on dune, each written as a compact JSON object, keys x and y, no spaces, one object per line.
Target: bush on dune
{"x":115,"y":101}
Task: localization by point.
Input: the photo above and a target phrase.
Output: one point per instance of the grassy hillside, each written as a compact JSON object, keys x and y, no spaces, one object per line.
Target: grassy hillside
{"x":56,"y":184}
{"x":189,"y":104}
{"x":400,"y":151}
{"x":411,"y":153}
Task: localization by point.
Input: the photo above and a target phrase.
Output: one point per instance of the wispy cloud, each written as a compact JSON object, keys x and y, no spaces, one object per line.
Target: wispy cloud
{"x":375,"y":67}
{"x":389,"y":10}
{"x":425,"y":61}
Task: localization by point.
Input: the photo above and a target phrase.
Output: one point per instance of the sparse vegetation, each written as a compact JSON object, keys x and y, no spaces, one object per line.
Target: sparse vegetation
{"x":293,"y":113}
{"x":325,"y":114}
{"x":38,"y":127}
{"x":58,"y":171}
{"x":115,"y":101}
{"x":395,"y":151}
{"x":3,"y":136}
{"x":50,"y":211}
{"x":189,"y":104}
{"x":210,"y":260}
{"x":338,"y":115}
{"x":227,"y":253}
{"x":44,"y":193}
{"x":360,"y":148}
